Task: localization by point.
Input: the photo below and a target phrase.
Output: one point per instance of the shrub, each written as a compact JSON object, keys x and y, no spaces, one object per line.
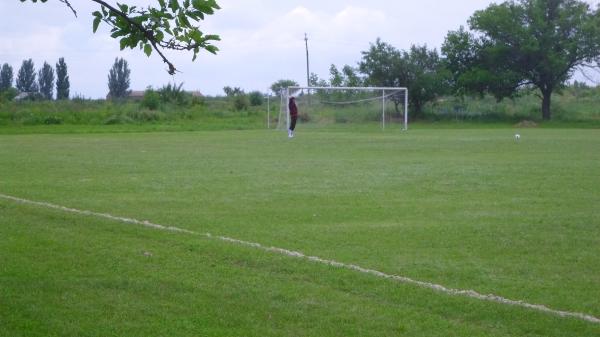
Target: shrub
{"x":256,"y":98}
{"x":241,"y":102}
{"x":50,"y":120}
{"x":198,"y":100}
{"x":151,"y":99}
{"x":8,"y":94}
{"x":144,"y":115}
{"x":175,"y":94}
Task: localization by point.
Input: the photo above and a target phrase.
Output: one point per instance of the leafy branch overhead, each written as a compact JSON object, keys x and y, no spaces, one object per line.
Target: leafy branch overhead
{"x":170,"y":24}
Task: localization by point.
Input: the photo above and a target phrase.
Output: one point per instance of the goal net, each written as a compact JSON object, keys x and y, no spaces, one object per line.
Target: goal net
{"x":335,"y":107}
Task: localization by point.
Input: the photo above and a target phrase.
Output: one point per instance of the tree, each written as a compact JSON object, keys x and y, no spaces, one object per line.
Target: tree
{"x":348,"y":77}
{"x":427,"y":77}
{"x":231,"y":92}
{"x":169,"y":25}
{"x":335,"y":77}
{"x":6,"y":77}
{"x":382,"y":65}
{"x":256,"y":98}
{"x":118,"y":79}
{"x":238,"y":97}
{"x":26,"y":77}
{"x":523,"y":44}
{"x":419,"y":69}
{"x":351,"y":78}
{"x":315,"y":81}
{"x":46,"y":81}
{"x":62,"y":80}
{"x":280,"y":85}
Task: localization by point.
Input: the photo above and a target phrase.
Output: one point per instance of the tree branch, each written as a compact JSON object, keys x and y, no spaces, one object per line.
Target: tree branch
{"x":147,"y":33}
{"x":66,"y":2}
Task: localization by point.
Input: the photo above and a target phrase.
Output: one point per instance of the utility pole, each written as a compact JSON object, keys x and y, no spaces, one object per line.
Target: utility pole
{"x":307,"y":63}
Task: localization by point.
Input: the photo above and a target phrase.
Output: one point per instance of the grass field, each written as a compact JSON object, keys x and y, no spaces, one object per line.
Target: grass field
{"x":467,"y":209}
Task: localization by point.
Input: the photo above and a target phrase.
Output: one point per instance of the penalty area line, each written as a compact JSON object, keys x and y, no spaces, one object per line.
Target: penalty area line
{"x":282,"y":251}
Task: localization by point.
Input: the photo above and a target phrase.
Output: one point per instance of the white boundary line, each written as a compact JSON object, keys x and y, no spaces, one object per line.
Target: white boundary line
{"x":296,"y":254}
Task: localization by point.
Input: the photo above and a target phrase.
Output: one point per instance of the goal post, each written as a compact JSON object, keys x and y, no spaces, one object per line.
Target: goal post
{"x":322,"y":107}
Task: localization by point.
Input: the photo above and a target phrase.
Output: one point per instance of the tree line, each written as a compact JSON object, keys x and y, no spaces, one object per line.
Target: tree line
{"x":40,"y":85}
{"x":508,"y":49}
{"x":36,"y":85}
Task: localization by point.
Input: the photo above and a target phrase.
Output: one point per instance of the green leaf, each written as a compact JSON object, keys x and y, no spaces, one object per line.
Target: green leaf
{"x":212,"y":37}
{"x":183,"y":19}
{"x":118,"y":33}
{"x":174,"y":5}
{"x":159,"y":35}
{"x":96,"y":23}
{"x":148,"y":49}
{"x":212,"y":49}
{"x":196,"y":35}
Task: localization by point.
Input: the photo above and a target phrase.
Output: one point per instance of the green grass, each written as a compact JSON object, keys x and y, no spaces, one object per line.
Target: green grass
{"x":209,"y":114}
{"x":469,"y":209}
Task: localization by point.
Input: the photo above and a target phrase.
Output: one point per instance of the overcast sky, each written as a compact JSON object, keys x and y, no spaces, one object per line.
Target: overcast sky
{"x":262,"y":40}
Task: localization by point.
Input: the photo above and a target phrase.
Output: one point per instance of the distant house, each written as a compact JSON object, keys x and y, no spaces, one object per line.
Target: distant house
{"x":136,"y":95}
{"x":23,"y":96}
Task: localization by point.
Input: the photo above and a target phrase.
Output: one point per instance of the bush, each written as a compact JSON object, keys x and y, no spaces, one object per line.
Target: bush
{"x":256,"y":98}
{"x":144,"y":115}
{"x":8,"y":94}
{"x":241,"y":102}
{"x":175,"y":94}
{"x":50,"y":120}
{"x":198,"y":100}
{"x":151,"y":99}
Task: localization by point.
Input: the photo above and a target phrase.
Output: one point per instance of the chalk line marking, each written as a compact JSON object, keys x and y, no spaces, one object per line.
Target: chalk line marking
{"x":300,"y":255}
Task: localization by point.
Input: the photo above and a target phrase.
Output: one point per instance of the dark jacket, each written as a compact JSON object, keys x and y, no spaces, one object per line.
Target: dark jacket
{"x":293,"y":108}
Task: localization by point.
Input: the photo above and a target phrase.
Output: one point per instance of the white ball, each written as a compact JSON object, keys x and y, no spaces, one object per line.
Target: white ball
{"x":517,"y":136}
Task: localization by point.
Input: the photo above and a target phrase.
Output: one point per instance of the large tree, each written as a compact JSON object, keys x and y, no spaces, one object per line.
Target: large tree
{"x":170,"y":24}
{"x":46,"y":81}
{"x":524,"y":43}
{"x":419,"y":69}
{"x":26,"y":77}
{"x":62,"y":80}
{"x":118,"y":79}
{"x":6,"y":77}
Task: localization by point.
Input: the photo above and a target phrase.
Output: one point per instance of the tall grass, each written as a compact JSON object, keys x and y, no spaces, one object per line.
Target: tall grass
{"x":569,"y":105}
{"x":101,"y":112}
{"x":579,"y":105}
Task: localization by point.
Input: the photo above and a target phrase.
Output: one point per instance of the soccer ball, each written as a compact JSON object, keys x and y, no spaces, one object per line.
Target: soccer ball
{"x":517,"y":136}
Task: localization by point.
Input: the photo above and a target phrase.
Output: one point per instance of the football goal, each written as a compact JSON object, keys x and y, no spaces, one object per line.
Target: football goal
{"x":336,"y":107}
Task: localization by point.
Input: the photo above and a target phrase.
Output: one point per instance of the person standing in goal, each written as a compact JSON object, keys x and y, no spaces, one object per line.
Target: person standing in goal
{"x":293,"y":116}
